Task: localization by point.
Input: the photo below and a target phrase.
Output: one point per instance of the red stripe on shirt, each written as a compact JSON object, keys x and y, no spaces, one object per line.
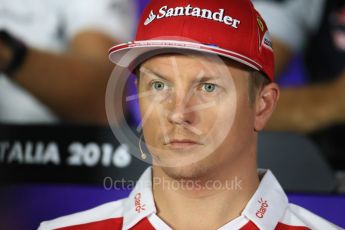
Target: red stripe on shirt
{"x":280,"y":226}
{"x":250,"y":226}
{"x":144,"y":224}
{"x":109,"y":224}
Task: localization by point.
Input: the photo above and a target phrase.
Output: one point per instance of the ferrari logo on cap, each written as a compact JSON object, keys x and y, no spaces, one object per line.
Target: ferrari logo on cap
{"x":261,"y":24}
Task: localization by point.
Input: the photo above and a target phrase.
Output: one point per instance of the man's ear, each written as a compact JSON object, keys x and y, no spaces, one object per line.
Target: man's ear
{"x":265,"y":104}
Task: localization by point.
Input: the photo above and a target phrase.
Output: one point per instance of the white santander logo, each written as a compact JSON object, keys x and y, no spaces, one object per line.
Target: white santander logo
{"x":218,"y":16}
{"x":151,"y":17}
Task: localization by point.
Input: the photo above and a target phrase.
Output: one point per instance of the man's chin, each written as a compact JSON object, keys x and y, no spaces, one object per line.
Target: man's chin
{"x":194,"y":171}
{"x":184,"y":165}
{"x":181,"y":158}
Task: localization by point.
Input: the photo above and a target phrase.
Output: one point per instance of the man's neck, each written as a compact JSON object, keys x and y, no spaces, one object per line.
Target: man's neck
{"x":208,"y":203}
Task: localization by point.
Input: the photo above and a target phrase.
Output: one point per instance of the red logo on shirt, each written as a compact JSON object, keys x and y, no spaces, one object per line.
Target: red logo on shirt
{"x":138,"y":205}
{"x":263,"y":208}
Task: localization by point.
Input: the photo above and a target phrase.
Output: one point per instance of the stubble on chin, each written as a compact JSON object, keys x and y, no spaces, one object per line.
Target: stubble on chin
{"x":193,"y":172}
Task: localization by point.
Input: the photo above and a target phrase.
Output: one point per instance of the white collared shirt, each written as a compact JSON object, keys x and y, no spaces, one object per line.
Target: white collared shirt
{"x":268,"y":209}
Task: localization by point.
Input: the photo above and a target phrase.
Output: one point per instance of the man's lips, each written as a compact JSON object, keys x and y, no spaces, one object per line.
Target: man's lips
{"x":182,"y":143}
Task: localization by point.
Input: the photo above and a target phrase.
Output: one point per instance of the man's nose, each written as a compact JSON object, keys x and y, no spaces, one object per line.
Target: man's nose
{"x":181,"y":108}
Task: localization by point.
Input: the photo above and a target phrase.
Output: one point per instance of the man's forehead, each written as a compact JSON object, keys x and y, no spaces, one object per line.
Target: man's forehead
{"x":208,"y":65}
{"x":171,"y":58}
{"x":193,"y":55}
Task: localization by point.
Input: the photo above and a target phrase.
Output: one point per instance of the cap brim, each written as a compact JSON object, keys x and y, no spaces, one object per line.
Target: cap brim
{"x":125,"y":54}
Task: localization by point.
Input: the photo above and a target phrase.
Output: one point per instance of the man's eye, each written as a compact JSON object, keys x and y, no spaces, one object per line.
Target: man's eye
{"x":208,"y":87}
{"x":158,"y":85}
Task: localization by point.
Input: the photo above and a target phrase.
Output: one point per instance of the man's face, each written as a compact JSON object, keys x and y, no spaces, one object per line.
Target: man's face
{"x":196,"y":114}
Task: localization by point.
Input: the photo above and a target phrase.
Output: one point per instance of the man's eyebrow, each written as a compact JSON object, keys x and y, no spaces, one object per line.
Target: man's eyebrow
{"x":206,"y":78}
{"x":152,"y":72}
{"x":200,"y":78}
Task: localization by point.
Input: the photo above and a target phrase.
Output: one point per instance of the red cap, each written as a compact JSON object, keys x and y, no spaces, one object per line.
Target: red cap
{"x":229,"y":28}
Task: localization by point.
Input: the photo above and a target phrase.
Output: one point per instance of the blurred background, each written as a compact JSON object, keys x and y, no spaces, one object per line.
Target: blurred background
{"x":59,"y":156}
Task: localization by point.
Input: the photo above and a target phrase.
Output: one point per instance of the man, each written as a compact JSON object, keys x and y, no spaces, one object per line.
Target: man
{"x":46,"y":48}
{"x":203,"y":97}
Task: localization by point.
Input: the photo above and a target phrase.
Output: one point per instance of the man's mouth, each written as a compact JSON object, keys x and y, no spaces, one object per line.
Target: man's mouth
{"x":182,"y":143}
